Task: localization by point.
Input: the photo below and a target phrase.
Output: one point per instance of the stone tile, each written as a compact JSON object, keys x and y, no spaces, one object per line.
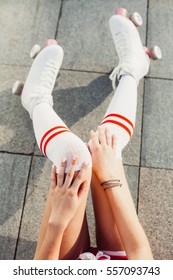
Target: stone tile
{"x":132,"y":174}
{"x":13,"y":177}
{"x":157,"y":134}
{"x":15,"y":124}
{"x":160,"y":33}
{"x":38,"y":187}
{"x":23,"y":24}
{"x":85,"y":36}
{"x":156,"y":210}
{"x":81,"y":100}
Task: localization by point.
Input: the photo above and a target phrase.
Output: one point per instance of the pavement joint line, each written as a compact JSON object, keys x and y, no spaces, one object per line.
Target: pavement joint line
{"x":17,"y":153}
{"x":156,"y":168}
{"x":23,"y":207}
{"x":147,"y":20}
{"x":142,"y":114}
{"x":62,"y":69}
{"x":159,"y":78}
{"x":87,"y":71}
{"x":14,"y":65}
{"x":125,"y":164}
{"x":59,"y":18}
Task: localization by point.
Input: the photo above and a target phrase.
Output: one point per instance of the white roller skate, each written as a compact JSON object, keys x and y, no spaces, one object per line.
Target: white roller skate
{"x":42,"y":76}
{"x":134,"y":59}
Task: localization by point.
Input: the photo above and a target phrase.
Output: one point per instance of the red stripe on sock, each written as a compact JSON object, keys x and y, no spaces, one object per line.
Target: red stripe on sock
{"x":121,"y":117}
{"x":49,"y":131}
{"x":120,"y":124}
{"x":51,"y":137}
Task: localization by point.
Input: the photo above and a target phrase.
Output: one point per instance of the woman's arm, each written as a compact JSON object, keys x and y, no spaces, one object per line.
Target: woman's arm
{"x":108,"y":168}
{"x":51,"y":244}
{"x":67,"y":191}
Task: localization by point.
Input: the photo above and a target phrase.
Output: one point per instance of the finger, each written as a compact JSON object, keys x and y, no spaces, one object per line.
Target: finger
{"x":107,"y":135}
{"x":94,"y":139}
{"x":70,"y":174}
{"x":83,"y":189}
{"x":113,"y":142}
{"x":101,"y":135}
{"x":53,"y":181}
{"x":88,"y":146}
{"x":61,"y":175}
{"x":81,"y":177}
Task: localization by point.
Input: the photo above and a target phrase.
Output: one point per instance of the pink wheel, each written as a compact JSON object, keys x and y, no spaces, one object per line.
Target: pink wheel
{"x":147,"y":51}
{"x":121,"y":12}
{"x":35,"y":51}
{"x":51,"y":42}
{"x":17,"y":88}
{"x":156,"y":53}
{"x":136,"y":19}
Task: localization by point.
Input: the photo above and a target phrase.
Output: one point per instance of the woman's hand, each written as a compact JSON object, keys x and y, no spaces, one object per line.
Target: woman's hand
{"x":103,"y":154}
{"x":66,"y":193}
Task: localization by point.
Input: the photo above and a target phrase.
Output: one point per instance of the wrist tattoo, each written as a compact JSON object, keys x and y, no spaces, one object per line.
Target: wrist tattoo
{"x":111,"y":184}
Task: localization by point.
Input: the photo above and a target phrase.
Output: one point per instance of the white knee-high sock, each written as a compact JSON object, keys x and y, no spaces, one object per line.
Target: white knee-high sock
{"x":55,"y":140}
{"x":121,"y":113}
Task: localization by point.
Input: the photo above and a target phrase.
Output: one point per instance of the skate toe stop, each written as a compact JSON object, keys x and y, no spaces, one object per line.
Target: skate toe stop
{"x":51,"y":42}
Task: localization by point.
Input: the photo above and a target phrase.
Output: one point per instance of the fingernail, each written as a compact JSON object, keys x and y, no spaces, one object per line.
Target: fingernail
{"x":86,"y":164}
{"x":64,"y":160}
{"x":75,"y":157}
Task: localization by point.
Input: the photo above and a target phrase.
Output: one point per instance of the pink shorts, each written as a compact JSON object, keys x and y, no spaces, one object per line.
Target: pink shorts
{"x":95,"y":254}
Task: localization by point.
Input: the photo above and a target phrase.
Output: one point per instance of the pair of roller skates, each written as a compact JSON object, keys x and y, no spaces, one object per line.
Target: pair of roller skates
{"x":133,"y":57}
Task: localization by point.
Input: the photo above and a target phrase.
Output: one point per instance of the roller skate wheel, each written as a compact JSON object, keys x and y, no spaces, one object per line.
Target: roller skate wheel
{"x":17,"y":88}
{"x":50,"y":42}
{"x":156,"y":53}
{"x":121,"y":12}
{"x":136,"y":19}
{"x":147,"y":51}
{"x":35,"y":51}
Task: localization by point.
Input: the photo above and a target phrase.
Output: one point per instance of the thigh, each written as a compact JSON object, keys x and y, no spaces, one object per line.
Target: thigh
{"x":107,"y":235}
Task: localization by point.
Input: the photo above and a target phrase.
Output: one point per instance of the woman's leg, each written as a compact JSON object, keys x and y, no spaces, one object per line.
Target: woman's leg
{"x":119,"y":118}
{"x":56,"y":142}
{"x":55,"y":139}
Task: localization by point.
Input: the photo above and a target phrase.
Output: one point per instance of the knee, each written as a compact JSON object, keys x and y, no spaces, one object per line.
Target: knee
{"x":70,"y":147}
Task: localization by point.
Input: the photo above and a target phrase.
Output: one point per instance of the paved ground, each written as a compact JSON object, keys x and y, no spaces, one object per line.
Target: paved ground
{"x":81,"y":27}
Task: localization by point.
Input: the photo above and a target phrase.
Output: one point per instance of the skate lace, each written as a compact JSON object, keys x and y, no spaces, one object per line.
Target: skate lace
{"x":47,"y":80}
{"x":123,"y":54}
